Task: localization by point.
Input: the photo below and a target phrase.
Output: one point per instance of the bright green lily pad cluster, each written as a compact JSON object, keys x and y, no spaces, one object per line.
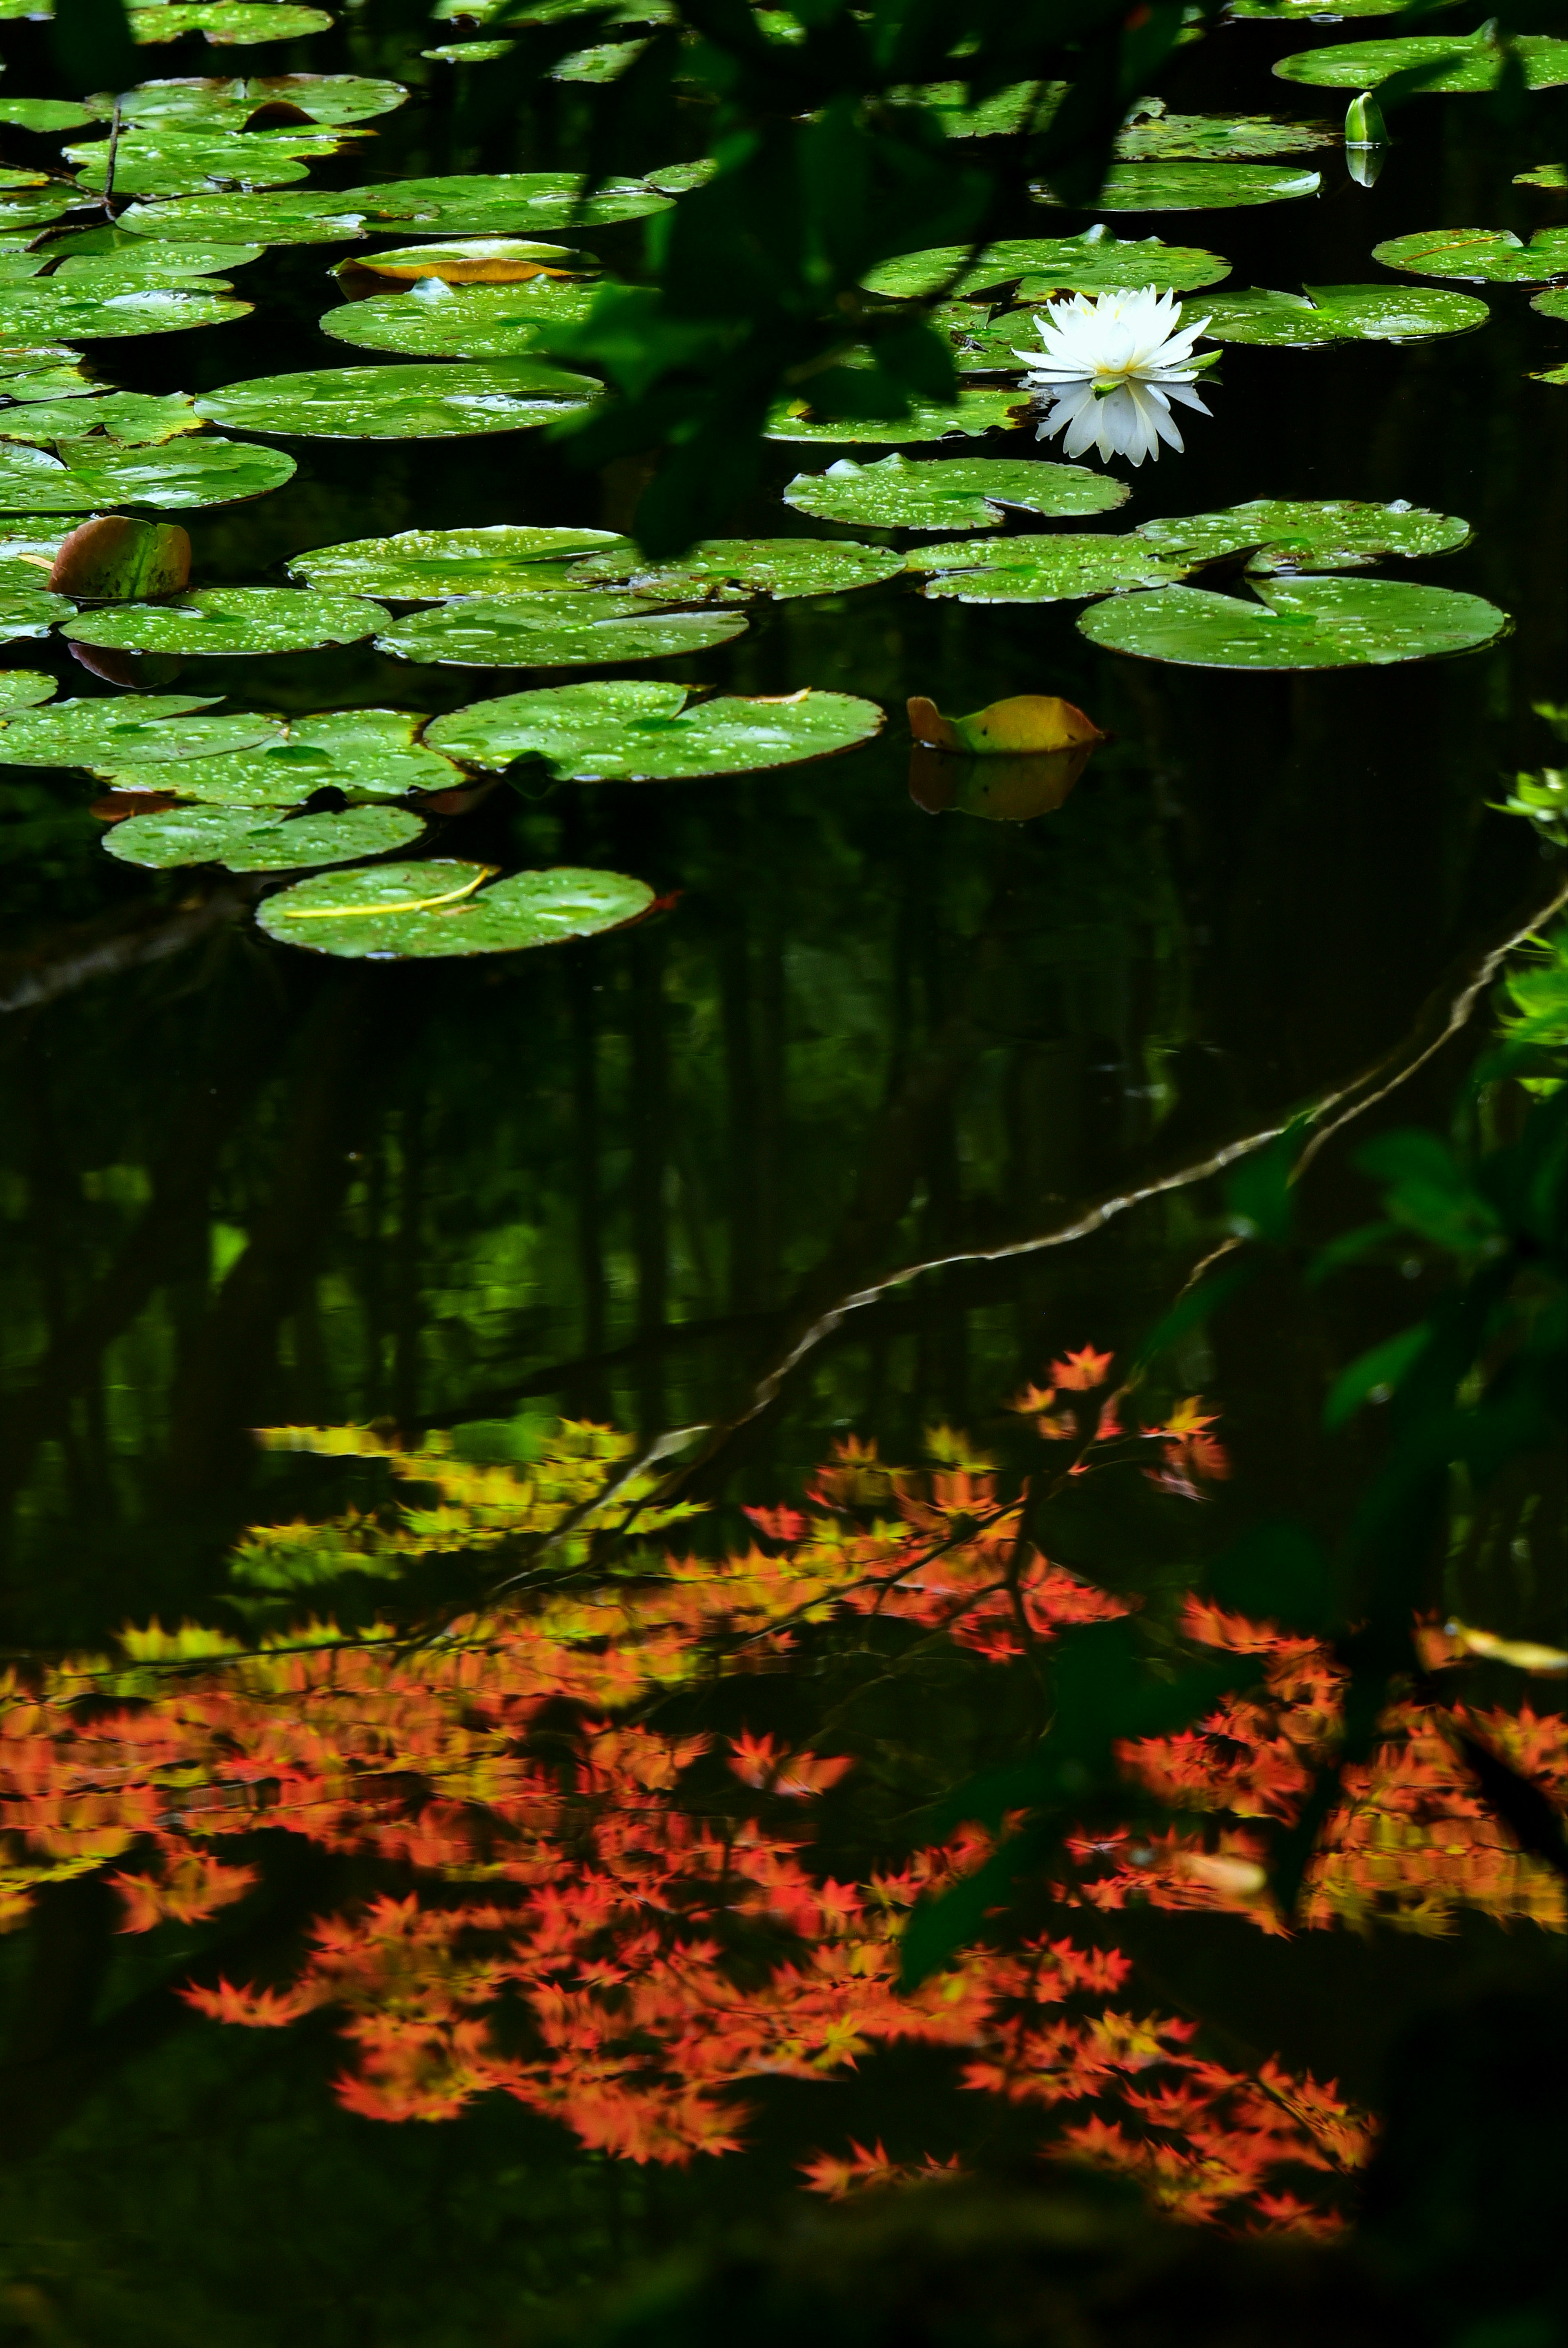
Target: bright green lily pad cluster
{"x":1091,"y":263}
{"x":950,"y":493}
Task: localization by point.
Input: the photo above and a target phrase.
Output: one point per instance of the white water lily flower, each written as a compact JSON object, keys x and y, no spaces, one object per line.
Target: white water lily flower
{"x":1112,"y":364}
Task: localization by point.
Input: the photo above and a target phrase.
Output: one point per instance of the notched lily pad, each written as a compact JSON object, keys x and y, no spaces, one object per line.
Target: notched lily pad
{"x":126,"y":419}
{"x":30,"y":611}
{"x":1462,"y":65}
{"x":442,"y":908}
{"x":1089,"y":263}
{"x":232,"y":620}
{"x":366,"y":754}
{"x":1306,"y":534}
{"x":973,"y":412}
{"x":437,"y":320}
{"x":270,"y":216}
{"x":401,"y":403}
{"x":117,"y":556}
{"x":245,"y":841}
{"x":227,"y":103}
{"x":189,"y":472}
{"x":424,"y":566}
{"x":1481,"y":256}
{"x":109,"y":733}
{"x":621,"y":731}
{"x":731,"y":570}
{"x":1044,"y":569}
{"x":56,"y":309}
{"x":1192,"y":187}
{"x":1342,"y":314}
{"x":950,"y":493}
{"x":574,"y":630}
{"x":24,"y":688}
{"x":44,"y":114}
{"x":234,"y":24}
{"x":1304,"y":623}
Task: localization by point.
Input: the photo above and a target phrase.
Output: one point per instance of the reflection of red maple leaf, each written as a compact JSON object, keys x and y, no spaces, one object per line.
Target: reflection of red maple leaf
{"x":1082,"y":1370}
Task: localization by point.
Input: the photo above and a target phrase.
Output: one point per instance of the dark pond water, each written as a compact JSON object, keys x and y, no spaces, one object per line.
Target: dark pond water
{"x":634,"y":1182}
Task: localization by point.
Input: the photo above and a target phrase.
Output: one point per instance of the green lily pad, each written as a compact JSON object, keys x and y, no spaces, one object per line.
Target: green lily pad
{"x":63,"y":312}
{"x":393,"y":910}
{"x":31,"y":612}
{"x":43,"y":114}
{"x":139,"y":267}
{"x":1024,"y":106}
{"x":1192,"y":187}
{"x":367,"y":754}
{"x":423,"y":566}
{"x":1067,"y":264}
{"x":246,"y":839}
{"x":951,"y":493}
{"x":231,"y":23}
{"x":226,"y":620}
{"x":1558,"y":375}
{"x":189,"y":472}
{"x":27,"y":556}
{"x":1045,"y":569}
{"x":24,"y":688}
{"x":1553,"y":305}
{"x":1217,"y":138}
{"x":729,"y":569}
{"x":36,"y":212}
{"x":182,"y":163}
{"x":1545,"y":175}
{"x":442,"y":402}
{"x":1480,"y":256}
{"x":1303,"y":623}
{"x":229,"y":104}
{"x":1342,"y":314}
{"x":43,"y":371}
{"x":1464,"y":65}
{"x":270,"y":216}
{"x":435,"y":320}
{"x":606,"y":61}
{"x":498,"y":203}
{"x":569,"y":630}
{"x":468,"y":52}
{"x":1306,"y":534}
{"x":128,"y":419}
{"x":623,"y":731}
{"x":1320,"y":12}
{"x":107,"y":734}
{"x":974,"y":413}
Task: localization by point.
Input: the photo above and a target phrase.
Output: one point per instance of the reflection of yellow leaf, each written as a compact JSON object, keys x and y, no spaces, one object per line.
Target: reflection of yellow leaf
{"x":1524,"y":1655}
{"x":1009,"y":789}
{"x":1026,"y":721}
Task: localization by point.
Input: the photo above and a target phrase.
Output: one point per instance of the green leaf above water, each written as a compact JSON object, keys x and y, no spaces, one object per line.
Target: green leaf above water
{"x":1192,"y":187}
{"x":235,"y":23}
{"x":1461,"y":65}
{"x":402,"y":403}
{"x":975,"y":412}
{"x":1341,"y":313}
{"x":1545,"y":175}
{"x":422,"y":566}
{"x":227,"y":103}
{"x":1553,"y":305}
{"x":1217,"y":138}
{"x":950,"y":493}
{"x":231,"y":619}
{"x":244,"y":840}
{"x":24,"y":688}
{"x":184,"y":162}
{"x":1321,"y":12}
{"x":437,"y":320}
{"x":126,"y":419}
{"x":1049,"y":567}
{"x":501,"y":203}
{"x":30,"y":611}
{"x":442,"y":908}
{"x":271,"y":216}
{"x":367,"y":754}
{"x":581,"y":629}
{"x":108,"y":734}
{"x":730,"y":570}
{"x":67,"y":312}
{"x":1481,"y":256}
{"x":189,"y":472}
{"x":31,"y":211}
{"x":621,"y":731}
{"x":1069,"y":265}
{"x":1306,"y":534}
{"x":43,"y":371}
{"x":44,"y":114}
{"x":1024,"y":106}
{"x":1307,"y":623}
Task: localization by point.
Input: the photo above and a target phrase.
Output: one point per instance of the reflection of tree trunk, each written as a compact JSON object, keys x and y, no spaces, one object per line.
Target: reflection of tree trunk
{"x":772,"y":1090}
{"x":591,"y":1396}
{"x":740,"y":1086}
{"x":374,"y":1285}
{"x":406,"y":1346}
{"x":650,"y":1119}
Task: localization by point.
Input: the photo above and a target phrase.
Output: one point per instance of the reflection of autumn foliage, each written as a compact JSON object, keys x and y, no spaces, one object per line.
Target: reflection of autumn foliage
{"x":620,"y":1927}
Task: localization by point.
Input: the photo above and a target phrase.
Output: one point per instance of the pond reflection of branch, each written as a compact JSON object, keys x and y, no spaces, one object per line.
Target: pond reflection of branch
{"x":125,"y":939}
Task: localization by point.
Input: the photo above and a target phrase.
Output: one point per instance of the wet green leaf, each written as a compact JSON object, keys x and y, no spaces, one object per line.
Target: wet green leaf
{"x":1217,"y":138}
{"x":245,"y":841}
{"x":1465,"y":65}
{"x":975,"y":412}
{"x":228,"y":620}
{"x":1545,"y":175}
{"x":1558,"y":375}
{"x":436,"y":320}
{"x":401,"y":403}
{"x":1192,"y":187}
{"x":1341,"y":313}
{"x":229,"y":104}
{"x":43,"y":114}
{"x":30,"y":611}
{"x":43,"y":371}
{"x":179,"y":162}
{"x":469,"y":261}
{"x":271,"y":216}
{"x":729,"y":569}
{"x":1321,"y":12}
{"x":1024,"y":106}
{"x":139,"y":267}
{"x":623,"y":731}
{"x":189,"y":472}
{"x":1068,"y":264}
{"x":107,"y":734}
{"x":235,"y":23}
{"x":126,"y":419}
{"x":1553,"y":305}
{"x":1049,"y":568}
{"x":420,"y":566}
{"x":606,"y":61}
{"x":1307,"y":534}
{"x":367,"y":754}
{"x":24,"y":688}
{"x":59,"y":310}
{"x":36,"y":211}
{"x":501,"y":203}
{"x":468,"y":52}
{"x":950,"y":493}
{"x":581,"y":629}
{"x":1481,"y":256}
{"x":439,"y":908}
{"x":1304,"y":623}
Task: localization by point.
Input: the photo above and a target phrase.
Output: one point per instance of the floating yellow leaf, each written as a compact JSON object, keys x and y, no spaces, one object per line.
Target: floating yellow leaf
{"x":1033,"y":722}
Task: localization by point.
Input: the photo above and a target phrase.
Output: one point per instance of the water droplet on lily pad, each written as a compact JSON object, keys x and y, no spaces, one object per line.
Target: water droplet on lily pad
{"x":24,"y":688}
{"x":424,"y":566}
{"x":1217,"y":138}
{"x":1304,"y":623}
{"x":106,"y":734}
{"x":1483,"y":256}
{"x":276,"y":216}
{"x":469,"y":322}
{"x":950,"y":493}
{"x":228,"y":102}
{"x":973,"y":412}
{"x":1306,"y":534}
{"x":188,"y":472}
{"x":1341,"y":313}
{"x":1192,"y":187}
{"x":246,"y":840}
{"x":1472,"y":64}
{"x":126,"y":419}
{"x":402,"y":403}
{"x":730,"y":570}
{"x":623,"y":731}
{"x":59,"y":309}
{"x":231,"y":619}
{"x":1069,"y":265}
{"x":231,"y":24}
{"x":503,"y":203}
{"x":30,"y":611}
{"x":574,"y":630}
{"x":43,"y":114}
{"x":443,"y":908}
{"x":1043,"y":569}
{"x":366,"y":754}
